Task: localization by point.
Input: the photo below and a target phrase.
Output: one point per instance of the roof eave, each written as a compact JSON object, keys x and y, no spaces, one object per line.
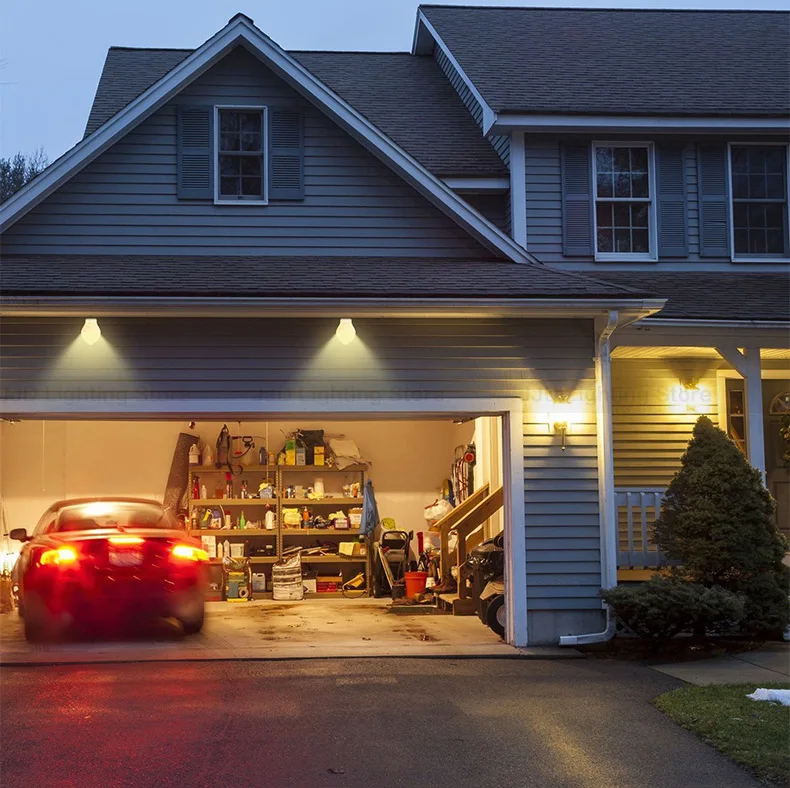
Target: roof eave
{"x":637,"y":308}
{"x":508,"y":122}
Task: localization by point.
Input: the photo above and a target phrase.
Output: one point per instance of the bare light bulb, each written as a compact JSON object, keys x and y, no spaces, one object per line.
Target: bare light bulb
{"x":91,"y":333}
{"x":345,"y":331}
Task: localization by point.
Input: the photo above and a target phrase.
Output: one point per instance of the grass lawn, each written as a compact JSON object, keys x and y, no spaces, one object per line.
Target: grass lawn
{"x":755,"y":734}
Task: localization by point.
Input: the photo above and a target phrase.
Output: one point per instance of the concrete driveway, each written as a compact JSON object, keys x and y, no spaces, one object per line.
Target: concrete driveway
{"x":350,"y":724}
{"x":313,"y":628}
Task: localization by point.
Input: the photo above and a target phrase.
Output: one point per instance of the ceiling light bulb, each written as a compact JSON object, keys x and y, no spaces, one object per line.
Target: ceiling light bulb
{"x":91,"y":333}
{"x":345,"y":332}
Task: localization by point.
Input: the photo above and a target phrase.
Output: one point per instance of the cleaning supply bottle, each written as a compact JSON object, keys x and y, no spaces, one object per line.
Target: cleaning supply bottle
{"x":226,"y":548}
{"x":268,"y":519}
{"x":228,"y":485}
{"x":194,"y":454}
{"x":242,"y":520}
{"x":196,"y":487}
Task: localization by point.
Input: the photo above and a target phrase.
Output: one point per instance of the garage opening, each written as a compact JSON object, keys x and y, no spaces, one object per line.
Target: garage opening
{"x":279,"y":508}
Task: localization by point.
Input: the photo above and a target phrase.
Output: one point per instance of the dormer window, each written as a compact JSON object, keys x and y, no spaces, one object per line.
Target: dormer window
{"x":624,"y":201}
{"x":241,"y":159}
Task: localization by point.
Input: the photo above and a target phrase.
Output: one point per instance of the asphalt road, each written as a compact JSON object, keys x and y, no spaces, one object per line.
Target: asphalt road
{"x":348,"y":724}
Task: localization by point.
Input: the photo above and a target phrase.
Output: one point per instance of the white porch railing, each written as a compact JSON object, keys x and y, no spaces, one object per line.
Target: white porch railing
{"x":637,"y":509}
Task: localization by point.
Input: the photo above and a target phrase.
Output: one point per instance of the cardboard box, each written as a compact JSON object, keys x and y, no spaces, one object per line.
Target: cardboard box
{"x":209,"y":544}
{"x":318,"y":455}
{"x":310,"y":585}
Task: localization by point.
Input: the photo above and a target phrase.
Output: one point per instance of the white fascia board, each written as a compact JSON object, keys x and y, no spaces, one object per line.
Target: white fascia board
{"x":239,"y":30}
{"x":630,"y":309}
{"x":505,"y":123}
{"x":418,"y":47}
{"x":474,"y":184}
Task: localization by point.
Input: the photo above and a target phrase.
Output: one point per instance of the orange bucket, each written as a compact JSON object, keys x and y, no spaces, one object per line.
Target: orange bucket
{"x":415,"y":583}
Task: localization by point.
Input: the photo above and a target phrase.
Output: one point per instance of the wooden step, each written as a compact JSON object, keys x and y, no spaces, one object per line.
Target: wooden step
{"x":455,"y":605}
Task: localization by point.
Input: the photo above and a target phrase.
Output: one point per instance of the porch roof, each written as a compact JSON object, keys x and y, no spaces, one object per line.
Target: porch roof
{"x":696,"y":295}
{"x":320,"y":276}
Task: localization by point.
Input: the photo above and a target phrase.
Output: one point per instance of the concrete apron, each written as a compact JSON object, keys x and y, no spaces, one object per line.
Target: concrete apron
{"x":268,"y":630}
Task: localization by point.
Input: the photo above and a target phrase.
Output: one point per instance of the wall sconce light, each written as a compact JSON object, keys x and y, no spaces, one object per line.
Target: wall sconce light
{"x":345,"y":331}
{"x":561,"y":417}
{"x":690,"y":384}
{"x":91,"y":332}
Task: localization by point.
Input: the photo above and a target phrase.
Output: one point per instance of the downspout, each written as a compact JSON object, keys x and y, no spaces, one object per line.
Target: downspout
{"x":607,"y":511}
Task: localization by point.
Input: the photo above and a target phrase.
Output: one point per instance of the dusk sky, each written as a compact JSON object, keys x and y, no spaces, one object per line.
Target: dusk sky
{"x":52,"y":52}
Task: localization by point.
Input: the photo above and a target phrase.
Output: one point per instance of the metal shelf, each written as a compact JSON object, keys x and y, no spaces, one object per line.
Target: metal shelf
{"x":233,"y":532}
{"x":321,"y":501}
{"x":233,"y":502}
{"x":318,"y":532}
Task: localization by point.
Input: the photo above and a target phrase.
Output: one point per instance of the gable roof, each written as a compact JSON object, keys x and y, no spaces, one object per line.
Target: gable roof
{"x":621,"y":62}
{"x":241,"y":31}
{"x":407,"y":97}
{"x":708,"y":295}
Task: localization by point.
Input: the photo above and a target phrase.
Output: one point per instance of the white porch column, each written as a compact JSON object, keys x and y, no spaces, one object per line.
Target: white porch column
{"x":606,"y":496}
{"x":747,"y":364}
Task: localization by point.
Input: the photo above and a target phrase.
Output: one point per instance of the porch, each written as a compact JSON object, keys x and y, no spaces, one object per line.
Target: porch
{"x":661,"y":384}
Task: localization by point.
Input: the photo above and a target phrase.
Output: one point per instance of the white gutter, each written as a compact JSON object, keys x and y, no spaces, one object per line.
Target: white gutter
{"x":155,"y":306}
{"x":607,"y":509}
{"x":506,"y":122}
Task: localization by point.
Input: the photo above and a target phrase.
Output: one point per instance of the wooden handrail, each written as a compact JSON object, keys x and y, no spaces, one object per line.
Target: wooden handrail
{"x":448,"y":522}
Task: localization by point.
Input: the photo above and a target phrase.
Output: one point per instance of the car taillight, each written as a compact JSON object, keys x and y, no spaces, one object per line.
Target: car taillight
{"x":125,"y":540}
{"x":188,"y":553}
{"x":60,"y":556}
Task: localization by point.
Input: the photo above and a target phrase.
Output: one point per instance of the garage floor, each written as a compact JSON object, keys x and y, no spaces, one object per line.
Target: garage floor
{"x":313,"y":628}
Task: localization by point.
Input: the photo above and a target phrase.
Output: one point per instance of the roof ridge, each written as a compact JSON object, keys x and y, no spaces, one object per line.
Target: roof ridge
{"x":153,"y":49}
{"x":608,"y":10}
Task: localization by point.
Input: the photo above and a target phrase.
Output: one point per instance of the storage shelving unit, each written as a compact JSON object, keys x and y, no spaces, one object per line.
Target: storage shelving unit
{"x":291,"y":536}
{"x":284,"y":537}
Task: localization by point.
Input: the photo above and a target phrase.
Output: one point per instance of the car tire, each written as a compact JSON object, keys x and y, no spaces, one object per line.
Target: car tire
{"x":191,"y":613}
{"x":39,"y":624}
{"x":495,"y":615}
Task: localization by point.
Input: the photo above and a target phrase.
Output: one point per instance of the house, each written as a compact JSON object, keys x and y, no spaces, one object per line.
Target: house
{"x":575,"y":221}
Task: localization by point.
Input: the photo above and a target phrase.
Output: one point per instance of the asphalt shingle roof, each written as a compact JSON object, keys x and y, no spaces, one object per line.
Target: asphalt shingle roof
{"x":320,"y":277}
{"x":622,"y":61}
{"x":694,"y":295}
{"x":406,"y":97}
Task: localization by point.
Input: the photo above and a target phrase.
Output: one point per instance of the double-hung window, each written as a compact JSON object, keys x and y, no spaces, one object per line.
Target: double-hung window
{"x":624,"y":201}
{"x":241,"y":155}
{"x":759,"y":200}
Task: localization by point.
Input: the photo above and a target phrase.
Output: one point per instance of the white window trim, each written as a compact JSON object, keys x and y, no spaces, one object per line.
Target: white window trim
{"x":767,"y":258}
{"x":627,"y":257}
{"x":218,"y":200}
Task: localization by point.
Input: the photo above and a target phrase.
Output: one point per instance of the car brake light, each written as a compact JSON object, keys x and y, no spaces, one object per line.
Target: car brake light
{"x":121,"y":540}
{"x":61,"y":556}
{"x":189,"y":553}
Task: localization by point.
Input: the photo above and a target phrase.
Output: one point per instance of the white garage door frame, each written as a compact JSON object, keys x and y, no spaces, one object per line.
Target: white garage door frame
{"x":510,"y":409}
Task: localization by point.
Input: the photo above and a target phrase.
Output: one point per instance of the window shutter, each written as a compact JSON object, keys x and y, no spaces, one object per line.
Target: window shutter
{"x":195,"y":144}
{"x":671,"y":203}
{"x":576,"y":202}
{"x":714,"y":228}
{"x":286,"y":155}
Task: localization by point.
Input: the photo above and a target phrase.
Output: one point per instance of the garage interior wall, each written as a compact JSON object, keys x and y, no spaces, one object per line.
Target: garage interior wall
{"x":43,"y":461}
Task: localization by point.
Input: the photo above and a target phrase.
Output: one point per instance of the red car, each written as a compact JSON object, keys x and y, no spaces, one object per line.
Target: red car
{"x":108,"y":561}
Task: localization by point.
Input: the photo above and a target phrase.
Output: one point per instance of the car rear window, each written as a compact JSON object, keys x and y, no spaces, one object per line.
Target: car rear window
{"x":113,"y":514}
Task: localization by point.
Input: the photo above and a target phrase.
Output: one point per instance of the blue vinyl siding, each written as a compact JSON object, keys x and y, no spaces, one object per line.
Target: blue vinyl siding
{"x":544,"y":200}
{"x":290,"y":359}
{"x":501,"y":145}
{"x":472,"y":104}
{"x":495,"y":207}
{"x":125,"y":201}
